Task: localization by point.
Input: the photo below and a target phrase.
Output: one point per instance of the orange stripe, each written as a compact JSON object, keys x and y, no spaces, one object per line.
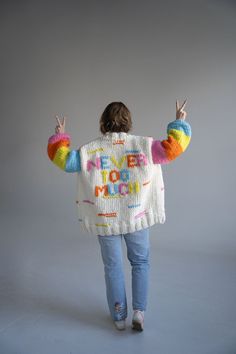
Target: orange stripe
{"x":172,"y":147}
{"x":107,"y":214}
{"x":144,"y":184}
{"x":119,"y":142}
{"x":52,"y":148}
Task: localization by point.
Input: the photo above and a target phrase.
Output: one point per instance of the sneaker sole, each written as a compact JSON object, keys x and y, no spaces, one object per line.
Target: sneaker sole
{"x":120,"y":328}
{"x":137,"y":326}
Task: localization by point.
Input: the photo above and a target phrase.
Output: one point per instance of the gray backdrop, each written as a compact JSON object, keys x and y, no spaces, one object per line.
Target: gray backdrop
{"x":73,"y":58}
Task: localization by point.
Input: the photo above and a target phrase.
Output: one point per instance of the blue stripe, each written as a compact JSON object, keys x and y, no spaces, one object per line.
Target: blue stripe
{"x":132,"y":151}
{"x":73,"y":162}
{"x":180,"y":124}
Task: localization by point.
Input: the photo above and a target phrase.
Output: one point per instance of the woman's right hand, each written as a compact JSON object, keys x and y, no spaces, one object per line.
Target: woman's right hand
{"x":180,"y":113}
{"x":60,"y":128}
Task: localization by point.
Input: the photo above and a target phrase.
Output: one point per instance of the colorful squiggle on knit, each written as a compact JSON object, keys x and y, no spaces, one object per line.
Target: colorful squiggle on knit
{"x":94,"y":151}
{"x":102,"y":224}
{"x":119,"y":141}
{"x":113,"y":214}
{"x":88,"y":201}
{"x":145,"y":183}
{"x":140,"y":214}
{"x":134,"y":205}
{"x":179,"y":136}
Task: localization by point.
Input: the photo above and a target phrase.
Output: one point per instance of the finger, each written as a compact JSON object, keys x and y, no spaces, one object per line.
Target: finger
{"x":58,"y":120}
{"x":64,"y":121}
{"x":183,"y":105}
{"x":177,"y":105}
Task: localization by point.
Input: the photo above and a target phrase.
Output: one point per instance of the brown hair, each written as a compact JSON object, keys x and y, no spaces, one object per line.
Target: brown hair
{"x":115,"y":118}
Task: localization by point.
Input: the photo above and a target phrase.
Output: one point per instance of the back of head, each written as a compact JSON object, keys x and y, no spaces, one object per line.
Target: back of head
{"x":115,"y":118}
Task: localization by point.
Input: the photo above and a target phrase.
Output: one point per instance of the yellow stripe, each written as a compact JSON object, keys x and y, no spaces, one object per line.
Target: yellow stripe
{"x":60,"y":157}
{"x":102,"y":224}
{"x":180,"y":136}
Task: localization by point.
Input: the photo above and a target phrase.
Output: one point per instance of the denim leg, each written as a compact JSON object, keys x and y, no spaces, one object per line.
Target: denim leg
{"x":111,"y":250}
{"x":138,"y":254}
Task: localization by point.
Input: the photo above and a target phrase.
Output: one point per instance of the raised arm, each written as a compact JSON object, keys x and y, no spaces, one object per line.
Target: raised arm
{"x":178,"y":138}
{"x":59,"y":152}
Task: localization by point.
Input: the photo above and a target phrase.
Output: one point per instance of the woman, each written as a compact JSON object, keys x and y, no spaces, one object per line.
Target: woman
{"x":120,"y":194}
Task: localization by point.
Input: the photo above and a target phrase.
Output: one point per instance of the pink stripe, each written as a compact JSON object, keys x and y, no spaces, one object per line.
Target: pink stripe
{"x":59,"y":136}
{"x":140,"y":214}
{"x":88,"y":201}
{"x":158,"y":153}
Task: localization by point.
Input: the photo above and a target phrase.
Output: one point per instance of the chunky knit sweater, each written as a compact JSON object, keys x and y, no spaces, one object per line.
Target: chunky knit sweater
{"x":120,"y":186}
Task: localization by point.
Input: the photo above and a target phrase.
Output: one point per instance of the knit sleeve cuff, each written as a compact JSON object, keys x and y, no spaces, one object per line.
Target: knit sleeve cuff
{"x":57,"y":137}
{"x":181,"y":125}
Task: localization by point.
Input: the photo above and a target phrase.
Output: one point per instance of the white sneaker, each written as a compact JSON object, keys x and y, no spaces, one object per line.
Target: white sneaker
{"x":138,"y":320}
{"x":120,"y":325}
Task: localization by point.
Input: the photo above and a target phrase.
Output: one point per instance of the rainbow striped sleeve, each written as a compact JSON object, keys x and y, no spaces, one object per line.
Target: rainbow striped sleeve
{"x":179,"y":136}
{"x":61,"y":155}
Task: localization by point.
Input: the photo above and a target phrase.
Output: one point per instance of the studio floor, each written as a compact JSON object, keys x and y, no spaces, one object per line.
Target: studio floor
{"x":52,"y":297}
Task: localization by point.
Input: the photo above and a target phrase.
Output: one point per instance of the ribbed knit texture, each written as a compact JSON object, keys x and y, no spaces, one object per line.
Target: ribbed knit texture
{"x":120,"y":186}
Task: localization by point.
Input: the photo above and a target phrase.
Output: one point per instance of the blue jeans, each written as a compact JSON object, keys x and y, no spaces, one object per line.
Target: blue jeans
{"x":137,"y":244}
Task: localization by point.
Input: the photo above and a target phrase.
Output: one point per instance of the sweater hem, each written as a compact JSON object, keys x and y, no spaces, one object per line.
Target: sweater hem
{"x":104,"y":229}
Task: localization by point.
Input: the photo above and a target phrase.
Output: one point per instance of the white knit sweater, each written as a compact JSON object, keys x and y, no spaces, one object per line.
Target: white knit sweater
{"x":120,"y":185}
{"x":119,"y":188}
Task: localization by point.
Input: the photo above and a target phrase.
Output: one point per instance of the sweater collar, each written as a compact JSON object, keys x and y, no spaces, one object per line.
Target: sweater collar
{"x":115,"y":135}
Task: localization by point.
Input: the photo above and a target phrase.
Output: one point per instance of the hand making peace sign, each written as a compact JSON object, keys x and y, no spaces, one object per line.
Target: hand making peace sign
{"x":180,"y":113}
{"x":60,"y":128}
